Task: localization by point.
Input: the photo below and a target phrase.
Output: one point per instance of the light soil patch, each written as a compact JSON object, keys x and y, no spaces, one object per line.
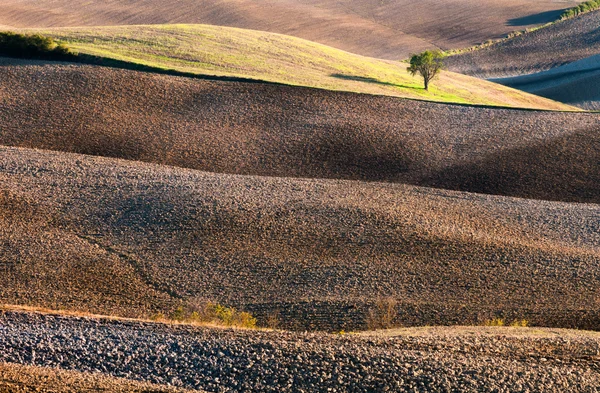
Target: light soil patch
{"x":486,"y":331}
{"x":16,"y":378}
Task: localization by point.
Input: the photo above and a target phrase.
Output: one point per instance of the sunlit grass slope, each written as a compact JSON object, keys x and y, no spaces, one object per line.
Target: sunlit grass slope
{"x":224,"y":51}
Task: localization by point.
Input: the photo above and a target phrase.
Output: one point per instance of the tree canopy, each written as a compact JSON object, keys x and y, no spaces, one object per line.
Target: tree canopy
{"x":428,"y":64}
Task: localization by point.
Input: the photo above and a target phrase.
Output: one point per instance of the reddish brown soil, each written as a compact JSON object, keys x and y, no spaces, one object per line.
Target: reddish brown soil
{"x":388,"y":29}
{"x":131,"y":238}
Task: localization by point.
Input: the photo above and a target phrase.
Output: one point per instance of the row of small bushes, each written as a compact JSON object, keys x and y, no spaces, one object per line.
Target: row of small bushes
{"x":588,"y":6}
{"x":502,"y":322}
{"x":32,"y":46}
{"x":209,"y":313}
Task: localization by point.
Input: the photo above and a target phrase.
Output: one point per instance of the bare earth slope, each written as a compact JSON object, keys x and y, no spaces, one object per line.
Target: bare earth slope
{"x":386,"y":29}
{"x":268,"y":130}
{"x":129,"y":238}
{"x":576,"y":83}
{"x":553,"y":46}
{"x":428,"y":360}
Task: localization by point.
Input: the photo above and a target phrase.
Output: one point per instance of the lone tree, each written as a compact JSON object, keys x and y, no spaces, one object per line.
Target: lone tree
{"x":428,"y":64}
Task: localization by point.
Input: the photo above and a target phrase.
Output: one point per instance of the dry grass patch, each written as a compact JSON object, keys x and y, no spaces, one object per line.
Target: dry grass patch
{"x":25,"y":379}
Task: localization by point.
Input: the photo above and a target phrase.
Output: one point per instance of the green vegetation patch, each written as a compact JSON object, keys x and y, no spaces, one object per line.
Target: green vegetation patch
{"x":32,"y":46}
{"x":590,"y":5}
{"x":231,"y":52}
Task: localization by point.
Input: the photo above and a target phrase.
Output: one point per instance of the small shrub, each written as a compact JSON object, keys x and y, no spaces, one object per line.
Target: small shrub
{"x":502,"y":322}
{"x":195,"y":317}
{"x":224,"y":314}
{"x":520,"y":323}
{"x":158,"y":317}
{"x":245,"y":320}
{"x":210,"y":313}
{"x":495,"y":322}
{"x":382,"y":315}
{"x":178,"y":315}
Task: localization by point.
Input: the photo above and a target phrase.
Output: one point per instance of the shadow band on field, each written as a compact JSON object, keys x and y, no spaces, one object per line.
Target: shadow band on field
{"x":372,"y":80}
{"x":561,"y":169}
{"x":536,"y":19}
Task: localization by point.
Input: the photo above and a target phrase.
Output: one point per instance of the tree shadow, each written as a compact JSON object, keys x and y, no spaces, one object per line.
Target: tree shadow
{"x":372,"y":80}
{"x":536,"y":19}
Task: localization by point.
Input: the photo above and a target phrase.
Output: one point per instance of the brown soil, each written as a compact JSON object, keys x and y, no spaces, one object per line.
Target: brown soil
{"x":267,"y":130}
{"x":127,"y":238}
{"x":387,"y":29}
{"x":473,"y":360}
{"x":559,"y":44}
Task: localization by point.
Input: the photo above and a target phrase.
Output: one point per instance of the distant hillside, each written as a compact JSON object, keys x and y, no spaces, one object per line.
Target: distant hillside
{"x":576,"y":83}
{"x":386,"y":29}
{"x":129,"y":238}
{"x":210,"y":50}
{"x":559,"y":44}
{"x":274,"y":130}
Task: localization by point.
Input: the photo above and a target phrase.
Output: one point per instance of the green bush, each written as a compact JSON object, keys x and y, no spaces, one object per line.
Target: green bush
{"x":588,"y":6}
{"x":33,"y":46}
{"x":178,"y":315}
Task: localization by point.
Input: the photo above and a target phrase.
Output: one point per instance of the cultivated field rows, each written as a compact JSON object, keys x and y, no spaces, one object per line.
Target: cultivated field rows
{"x":144,"y":238}
{"x":217,"y":360}
{"x":562,"y":43}
{"x":267,"y":130}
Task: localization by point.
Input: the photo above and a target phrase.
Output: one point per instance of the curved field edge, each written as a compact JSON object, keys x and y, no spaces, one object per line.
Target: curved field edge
{"x":542,"y":49}
{"x":231,"y":52}
{"x":275,"y":130}
{"x":569,"y":13}
{"x":240,"y":361}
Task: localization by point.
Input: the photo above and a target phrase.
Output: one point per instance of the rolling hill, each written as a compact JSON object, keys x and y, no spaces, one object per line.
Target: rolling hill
{"x":266,"y":180}
{"x":132,"y":239}
{"x":553,"y":46}
{"x":274,"y":130}
{"x":219,"y":51}
{"x":385,"y":29}
{"x":575,"y":83}
{"x":290,"y":218}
